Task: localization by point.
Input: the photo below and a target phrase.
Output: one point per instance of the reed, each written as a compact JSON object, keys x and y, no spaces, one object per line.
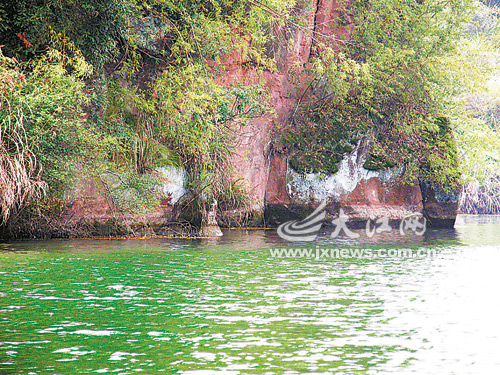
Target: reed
{"x":19,"y":170}
{"x":482,"y":198}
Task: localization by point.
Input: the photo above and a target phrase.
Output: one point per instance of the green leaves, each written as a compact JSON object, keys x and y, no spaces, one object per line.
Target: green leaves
{"x":95,"y":27}
{"x":196,"y":117}
{"x":45,"y":107}
{"x":391,"y":84}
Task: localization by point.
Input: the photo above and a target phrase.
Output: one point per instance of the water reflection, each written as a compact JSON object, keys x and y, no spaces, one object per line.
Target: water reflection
{"x":469,"y":230}
{"x":478,"y":230}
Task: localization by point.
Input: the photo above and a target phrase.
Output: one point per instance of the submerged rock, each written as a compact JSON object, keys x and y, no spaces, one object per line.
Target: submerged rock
{"x":439,"y":207}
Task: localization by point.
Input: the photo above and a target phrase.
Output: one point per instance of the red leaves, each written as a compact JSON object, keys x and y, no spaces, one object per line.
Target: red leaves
{"x":22,"y":36}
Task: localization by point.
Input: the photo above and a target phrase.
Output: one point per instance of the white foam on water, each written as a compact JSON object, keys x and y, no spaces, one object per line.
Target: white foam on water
{"x":120,"y":356}
{"x":90,"y":332}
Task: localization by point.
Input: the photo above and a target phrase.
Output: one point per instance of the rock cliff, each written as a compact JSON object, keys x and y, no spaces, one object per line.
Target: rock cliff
{"x":278,"y":192}
{"x":284,"y":193}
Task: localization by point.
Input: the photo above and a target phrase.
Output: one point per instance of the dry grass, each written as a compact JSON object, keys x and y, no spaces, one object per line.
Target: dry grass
{"x":19,"y":170}
{"x":481,"y":199}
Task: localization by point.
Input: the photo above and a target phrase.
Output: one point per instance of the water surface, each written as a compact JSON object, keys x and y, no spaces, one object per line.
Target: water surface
{"x":226,"y":306}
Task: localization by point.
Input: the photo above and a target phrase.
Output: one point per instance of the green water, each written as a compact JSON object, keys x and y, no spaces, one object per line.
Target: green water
{"x":226,"y":306}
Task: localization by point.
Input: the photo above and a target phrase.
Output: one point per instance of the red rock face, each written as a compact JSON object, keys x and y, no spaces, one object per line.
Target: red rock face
{"x":263,"y":167}
{"x":276,"y":191}
{"x":254,"y":140}
{"x":374,"y":192}
{"x":257,"y":160}
{"x":90,"y":202}
{"x":331,"y":24}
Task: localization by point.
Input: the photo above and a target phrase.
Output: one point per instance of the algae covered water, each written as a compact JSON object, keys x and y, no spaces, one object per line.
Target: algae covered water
{"x":227,"y":306}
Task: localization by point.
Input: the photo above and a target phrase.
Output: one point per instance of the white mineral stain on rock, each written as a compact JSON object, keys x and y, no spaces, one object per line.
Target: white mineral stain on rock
{"x":317,"y":187}
{"x":174,"y":179}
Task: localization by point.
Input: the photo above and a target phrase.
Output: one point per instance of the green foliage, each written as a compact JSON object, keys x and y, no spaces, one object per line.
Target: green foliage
{"x":48,"y":102}
{"x":210,"y":29}
{"x":95,"y":27}
{"x":479,"y":148}
{"x":132,"y":192}
{"x":376,"y":159}
{"x":329,"y":138}
{"x":196,"y":118}
{"x":440,"y":161}
{"x":19,"y":167}
{"x":430,"y":155}
{"x":96,"y":101}
{"x":391,"y":84}
{"x":475,"y":113}
{"x":188,"y":114}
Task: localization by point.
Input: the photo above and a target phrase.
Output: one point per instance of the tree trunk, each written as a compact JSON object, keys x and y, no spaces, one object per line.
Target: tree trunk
{"x":209,"y":226}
